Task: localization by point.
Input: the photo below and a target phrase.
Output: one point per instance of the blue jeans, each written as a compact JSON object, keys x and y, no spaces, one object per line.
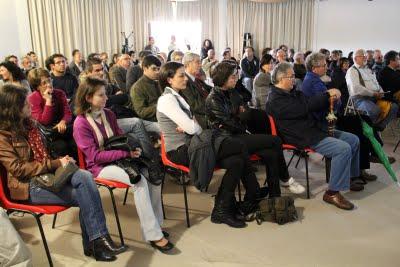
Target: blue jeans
{"x":344,"y":150}
{"x":80,"y":192}
{"x":137,"y":128}
{"x":368,"y":104}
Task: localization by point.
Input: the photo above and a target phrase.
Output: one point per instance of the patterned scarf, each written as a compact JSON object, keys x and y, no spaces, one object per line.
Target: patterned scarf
{"x":36,"y":143}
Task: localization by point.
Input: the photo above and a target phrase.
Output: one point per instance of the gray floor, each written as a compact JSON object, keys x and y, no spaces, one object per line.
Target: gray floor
{"x":323,"y":235}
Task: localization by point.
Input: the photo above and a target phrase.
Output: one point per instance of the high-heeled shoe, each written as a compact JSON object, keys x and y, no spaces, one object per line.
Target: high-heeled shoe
{"x":98,"y":249}
{"x":164,"y":249}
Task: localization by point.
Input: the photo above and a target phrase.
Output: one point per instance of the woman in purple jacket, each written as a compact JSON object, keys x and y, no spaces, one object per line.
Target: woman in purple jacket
{"x":93,"y":126}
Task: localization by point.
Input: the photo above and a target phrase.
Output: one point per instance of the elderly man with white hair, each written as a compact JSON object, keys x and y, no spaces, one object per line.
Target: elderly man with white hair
{"x":366,"y":92}
{"x":196,"y":90}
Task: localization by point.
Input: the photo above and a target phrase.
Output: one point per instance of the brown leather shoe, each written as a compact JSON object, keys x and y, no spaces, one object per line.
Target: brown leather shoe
{"x":339,"y":201}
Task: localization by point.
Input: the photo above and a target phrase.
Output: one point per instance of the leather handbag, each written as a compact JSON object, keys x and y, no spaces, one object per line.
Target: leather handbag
{"x":123,"y":142}
{"x":132,"y":166}
{"x":55,"y":182}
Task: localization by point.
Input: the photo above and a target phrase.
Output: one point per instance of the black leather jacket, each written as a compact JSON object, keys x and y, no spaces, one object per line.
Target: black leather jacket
{"x":222,"y":113}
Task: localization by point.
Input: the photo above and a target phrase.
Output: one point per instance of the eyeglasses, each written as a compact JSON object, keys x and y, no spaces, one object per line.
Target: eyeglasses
{"x":46,"y":82}
{"x":58,"y":62}
{"x":155,"y":68}
{"x":289,"y":77}
{"x":323,"y":65}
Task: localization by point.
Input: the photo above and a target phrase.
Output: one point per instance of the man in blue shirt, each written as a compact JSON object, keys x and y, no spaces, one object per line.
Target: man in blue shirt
{"x":313,"y":85}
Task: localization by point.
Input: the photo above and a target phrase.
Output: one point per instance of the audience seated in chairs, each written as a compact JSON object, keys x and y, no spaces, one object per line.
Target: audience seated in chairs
{"x":50,"y":109}
{"x":77,"y":64}
{"x":135,"y":71}
{"x":262,"y":82}
{"x":196,"y":90}
{"x":93,"y":126}
{"x":313,"y":85}
{"x":224,"y":115}
{"x":119,"y":70}
{"x":367,"y":94}
{"x":146,"y":91}
{"x":24,"y":157}
{"x":179,"y":126}
{"x":249,"y":66}
{"x":11,"y":73}
{"x":118,"y":102}
{"x":389,"y":77}
{"x":297,"y":126}
{"x":62,"y":78}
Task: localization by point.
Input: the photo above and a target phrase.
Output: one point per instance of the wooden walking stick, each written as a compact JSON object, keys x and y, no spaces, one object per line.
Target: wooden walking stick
{"x":331,"y":118}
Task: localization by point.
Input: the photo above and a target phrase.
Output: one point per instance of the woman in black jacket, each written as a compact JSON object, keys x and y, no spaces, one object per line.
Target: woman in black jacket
{"x":223,"y":114}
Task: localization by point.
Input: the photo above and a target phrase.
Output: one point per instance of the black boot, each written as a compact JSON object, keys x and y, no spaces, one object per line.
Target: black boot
{"x":111,"y":246}
{"x":223,"y":212}
{"x":98,"y":248}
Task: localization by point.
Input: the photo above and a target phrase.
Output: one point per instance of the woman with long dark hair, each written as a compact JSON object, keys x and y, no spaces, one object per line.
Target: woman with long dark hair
{"x":11,"y":73}
{"x":178,"y":127}
{"x":24,"y":157}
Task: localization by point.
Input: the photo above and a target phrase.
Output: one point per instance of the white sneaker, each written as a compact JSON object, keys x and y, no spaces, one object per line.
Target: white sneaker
{"x":293,"y":186}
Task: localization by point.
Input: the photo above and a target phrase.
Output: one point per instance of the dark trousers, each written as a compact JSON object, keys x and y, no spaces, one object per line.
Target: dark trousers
{"x":269,"y":148}
{"x":232,"y":156}
{"x":352,"y":124}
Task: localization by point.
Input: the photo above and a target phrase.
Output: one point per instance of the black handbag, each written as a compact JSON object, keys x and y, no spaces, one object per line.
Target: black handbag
{"x":132,"y":166}
{"x":55,"y":182}
{"x":126,"y":143}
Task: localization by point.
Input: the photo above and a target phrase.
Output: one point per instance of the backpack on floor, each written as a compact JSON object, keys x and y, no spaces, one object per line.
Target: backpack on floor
{"x":279,"y":209}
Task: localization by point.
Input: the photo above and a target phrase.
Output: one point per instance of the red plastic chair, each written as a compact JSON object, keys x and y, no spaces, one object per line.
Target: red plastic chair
{"x":182,"y":170}
{"x":110,"y":185}
{"x":36,"y":211}
{"x":302,"y":152}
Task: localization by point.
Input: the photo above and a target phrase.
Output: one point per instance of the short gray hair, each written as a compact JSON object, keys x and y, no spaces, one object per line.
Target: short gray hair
{"x":297,"y":56}
{"x":189,"y":57}
{"x":313,"y":60}
{"x":359,"y":52}
{"x":280,"y":71}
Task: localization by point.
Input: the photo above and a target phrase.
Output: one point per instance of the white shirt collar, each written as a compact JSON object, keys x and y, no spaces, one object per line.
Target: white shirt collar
{"x":190,"y":76}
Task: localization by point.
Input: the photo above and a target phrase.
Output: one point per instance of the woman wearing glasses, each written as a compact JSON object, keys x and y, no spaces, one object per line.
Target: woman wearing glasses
{"x":50,"y":109}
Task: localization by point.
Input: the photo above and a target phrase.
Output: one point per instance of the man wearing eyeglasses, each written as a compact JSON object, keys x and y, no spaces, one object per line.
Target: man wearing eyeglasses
{"x":118,"y":71}
{"x":366,"y":92}
{"x":146,"y":91}
{"x":62,"y":78}
{"x":297,"y":126}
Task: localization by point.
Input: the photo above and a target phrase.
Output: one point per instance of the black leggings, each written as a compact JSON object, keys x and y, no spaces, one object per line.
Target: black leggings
{"x":269,"y":148}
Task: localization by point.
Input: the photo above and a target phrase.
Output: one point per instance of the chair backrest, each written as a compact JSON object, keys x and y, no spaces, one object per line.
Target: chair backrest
{"x":165,"y":159}
{"x":81,"y":159}
{"x":272,"y":125}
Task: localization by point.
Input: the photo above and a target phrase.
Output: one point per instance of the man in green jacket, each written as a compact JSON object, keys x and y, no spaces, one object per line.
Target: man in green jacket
{"x":146,"y":91}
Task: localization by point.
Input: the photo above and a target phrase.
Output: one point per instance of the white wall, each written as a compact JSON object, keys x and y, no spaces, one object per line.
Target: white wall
{"x":14,"y":28}
{"x":352,"y":24}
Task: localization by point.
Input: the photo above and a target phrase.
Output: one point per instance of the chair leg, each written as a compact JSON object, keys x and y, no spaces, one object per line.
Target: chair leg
{"x":110,"y":189}
{"x":307,"y":178}
{"x":398,"y":143}
{"x":327,"y":169}
{"x":39,"y":223}
{"x":162,"y":198}
{"x":126,"y":196}
{"x":54,"y":221}
{"x":185,"y":198}
{"x":297,"y":163}
{"x":290,"y":161}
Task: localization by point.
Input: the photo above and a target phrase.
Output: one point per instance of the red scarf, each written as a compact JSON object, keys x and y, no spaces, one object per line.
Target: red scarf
{"x":36,"y":143}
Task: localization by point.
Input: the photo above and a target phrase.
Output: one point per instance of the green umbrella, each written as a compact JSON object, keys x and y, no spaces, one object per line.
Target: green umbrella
{"x":369,"y":133}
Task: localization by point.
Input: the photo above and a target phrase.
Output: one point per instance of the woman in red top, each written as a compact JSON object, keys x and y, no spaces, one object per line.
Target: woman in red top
{"x":50,"y":109}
